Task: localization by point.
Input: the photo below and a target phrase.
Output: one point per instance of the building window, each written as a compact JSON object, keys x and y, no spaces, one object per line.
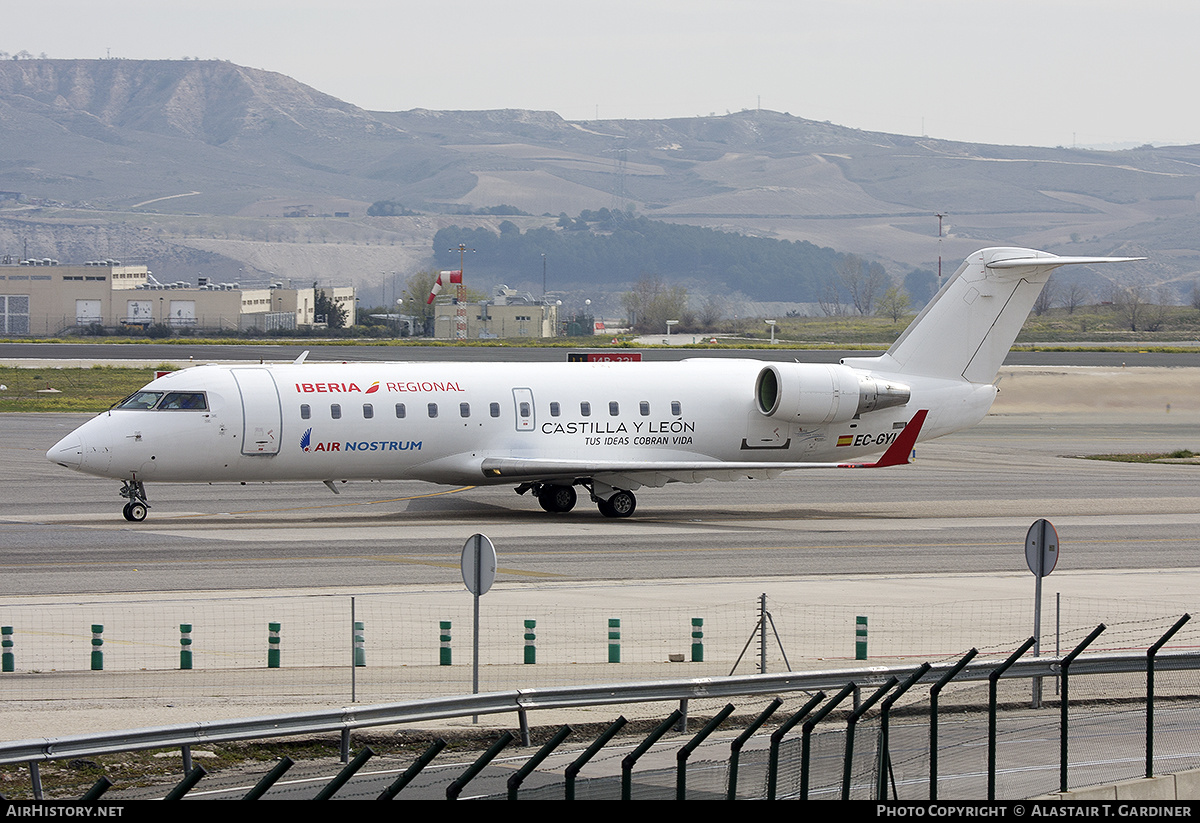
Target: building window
{"x":335,"y":411}
{"x":305,"y":411}
{"x":14,"y":314}
{"x":400,"y":411}
{"x":368,"y":411}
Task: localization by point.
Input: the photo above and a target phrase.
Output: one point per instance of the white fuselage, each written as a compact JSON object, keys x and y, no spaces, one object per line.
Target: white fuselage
{"x":439,"y":422}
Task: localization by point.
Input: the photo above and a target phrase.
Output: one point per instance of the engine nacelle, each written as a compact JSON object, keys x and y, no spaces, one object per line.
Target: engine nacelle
{"x":820,"y":393}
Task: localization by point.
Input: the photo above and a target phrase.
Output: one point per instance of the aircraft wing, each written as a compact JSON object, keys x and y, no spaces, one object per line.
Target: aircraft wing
{"x":658,"y":473}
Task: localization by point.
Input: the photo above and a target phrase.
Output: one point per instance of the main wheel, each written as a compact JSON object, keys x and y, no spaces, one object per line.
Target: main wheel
{"x":557,"y":498}
{"x":135,"y":511}
{"x":620,"y":504}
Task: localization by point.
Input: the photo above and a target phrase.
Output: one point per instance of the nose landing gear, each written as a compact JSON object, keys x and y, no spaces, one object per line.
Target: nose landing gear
{"x":135,"y":492}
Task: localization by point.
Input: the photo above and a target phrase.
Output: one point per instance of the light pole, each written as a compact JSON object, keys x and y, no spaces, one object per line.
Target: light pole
{"x":670,"y":323}
{"x":771,"y":323}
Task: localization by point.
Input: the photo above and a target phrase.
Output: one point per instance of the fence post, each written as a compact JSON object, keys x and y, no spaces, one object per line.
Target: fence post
{"x":852,"y":723}
{"x":885,"y":709}
{"x":934,"y":691}
{"x":185,"y":646}
{"x":530,"y":640}
{"x":806,"y":734}
{"x":444,"y":651}
{"x":97,"y":647}
{"x":993,"y":679}
{"x":273,"y":645}
{"x":1150,"y":653}
{"x":1065,"y":665}
{"x":614,"y":640}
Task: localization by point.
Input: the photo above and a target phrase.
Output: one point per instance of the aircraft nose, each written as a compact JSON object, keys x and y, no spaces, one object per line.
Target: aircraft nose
{"x":67,"y":452}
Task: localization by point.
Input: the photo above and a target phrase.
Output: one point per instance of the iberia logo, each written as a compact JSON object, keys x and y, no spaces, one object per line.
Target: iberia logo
{"x":305,"y":439}
{"x":373,"y":388}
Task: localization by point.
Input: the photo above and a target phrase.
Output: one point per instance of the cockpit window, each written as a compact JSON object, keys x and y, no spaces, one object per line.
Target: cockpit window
{"x":185,"y":400}
{"x":170,"y":401}
{"x":140,"y":400}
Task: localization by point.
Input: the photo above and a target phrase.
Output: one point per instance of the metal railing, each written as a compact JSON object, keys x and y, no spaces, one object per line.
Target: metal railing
{"x":880,"y":784}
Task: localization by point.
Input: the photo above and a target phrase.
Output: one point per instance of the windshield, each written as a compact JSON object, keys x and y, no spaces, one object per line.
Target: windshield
{"x":172,"y":401}
{"x":140,"y":400}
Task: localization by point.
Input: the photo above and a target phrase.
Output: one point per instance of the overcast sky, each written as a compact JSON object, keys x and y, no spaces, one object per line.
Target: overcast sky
{"x":1029,"y":72}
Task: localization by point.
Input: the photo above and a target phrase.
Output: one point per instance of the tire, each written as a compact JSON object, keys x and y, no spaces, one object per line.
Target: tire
{"x":557,"y":499}
{"x":621,"y":504}
{"x":135,"y":511}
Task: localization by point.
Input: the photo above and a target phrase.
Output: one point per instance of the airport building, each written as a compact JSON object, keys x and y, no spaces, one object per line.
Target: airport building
{"x":508,"y":314}
{"x":43,"y":298}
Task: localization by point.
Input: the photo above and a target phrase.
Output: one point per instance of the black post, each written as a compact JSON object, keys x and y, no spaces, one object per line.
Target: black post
{"x":993,"y":679}
{"x":851,"y":724}
{"x":1150,"y":653}
{"x":885,"y":708}
{"x":1062,"y":730}
{"x":934,"y":692}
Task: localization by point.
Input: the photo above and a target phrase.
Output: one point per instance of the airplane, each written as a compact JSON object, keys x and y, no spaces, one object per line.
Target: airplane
{"x":548,"y":428}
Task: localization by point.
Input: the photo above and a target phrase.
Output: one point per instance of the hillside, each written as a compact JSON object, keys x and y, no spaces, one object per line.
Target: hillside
{"x":195,"y":165}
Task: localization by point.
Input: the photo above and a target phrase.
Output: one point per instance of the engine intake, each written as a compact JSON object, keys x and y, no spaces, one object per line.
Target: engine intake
{"x":820,"y":393}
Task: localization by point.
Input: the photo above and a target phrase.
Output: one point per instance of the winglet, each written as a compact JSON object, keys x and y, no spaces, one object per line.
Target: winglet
{"x":897,"y":453}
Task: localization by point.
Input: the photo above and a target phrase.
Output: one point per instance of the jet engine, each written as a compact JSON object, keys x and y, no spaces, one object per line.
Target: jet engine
{"x":818,"y":393}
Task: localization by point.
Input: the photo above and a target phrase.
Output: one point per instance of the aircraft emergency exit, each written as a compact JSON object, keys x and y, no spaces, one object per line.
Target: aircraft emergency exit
{"x":548,"y":428}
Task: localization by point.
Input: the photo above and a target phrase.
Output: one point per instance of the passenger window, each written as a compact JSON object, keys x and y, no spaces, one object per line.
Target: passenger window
{"x":433,"y":409}
{"x":644,"y":408}
{"x":368,"y":411}
{"x":524,"y":409}
{"x":464,"y":409}
{"x":335,"y":411}
{"x":305,"y":411}
{"x":585,"y":409}
{"x":676,"y":408}
{"x":400,"y":411}
{"x":554,"y":409}
{"x":495,"y":409}
{"x":613,"y":408}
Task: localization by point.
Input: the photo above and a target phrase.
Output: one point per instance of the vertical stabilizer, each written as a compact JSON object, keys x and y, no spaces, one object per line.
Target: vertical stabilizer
{"x":969,"y":326}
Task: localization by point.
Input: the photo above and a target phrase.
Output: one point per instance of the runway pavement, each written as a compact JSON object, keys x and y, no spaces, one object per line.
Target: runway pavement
{"x":950,"y":526}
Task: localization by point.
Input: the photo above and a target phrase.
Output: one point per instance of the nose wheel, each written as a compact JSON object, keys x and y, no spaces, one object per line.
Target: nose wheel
{"x":134,"y":512}
{"x":136,"y":509}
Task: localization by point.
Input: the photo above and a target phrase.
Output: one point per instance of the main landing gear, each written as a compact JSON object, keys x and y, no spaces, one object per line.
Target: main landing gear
{"x":135,"y":492}
{"x":559,"y":498}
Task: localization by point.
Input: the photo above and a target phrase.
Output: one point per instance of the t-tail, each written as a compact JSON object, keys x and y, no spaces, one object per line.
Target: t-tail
{"x":969,"y":326}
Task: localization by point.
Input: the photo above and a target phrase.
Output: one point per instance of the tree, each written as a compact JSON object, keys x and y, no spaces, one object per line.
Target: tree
{"x":864,"y":281}
{"x":652,"y":303}
{"x":1130,"y":304}
{"x":324,"y":306}
{"x":416,"y":295}
{"x":1045,"y":298}
{"x":894,"y":303}
{"x":1074,"y":296}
